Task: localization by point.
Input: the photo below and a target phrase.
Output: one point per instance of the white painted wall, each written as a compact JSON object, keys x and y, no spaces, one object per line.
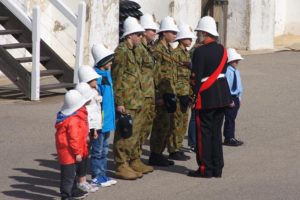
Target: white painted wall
{"x":160,"y":8}
{"x":280,"y":17}
{"x":103,"y":26}
{"x":238,"y":24}
{"x":188,"y":11}
{"x":292,"y":23}
{"x":262,"y":19}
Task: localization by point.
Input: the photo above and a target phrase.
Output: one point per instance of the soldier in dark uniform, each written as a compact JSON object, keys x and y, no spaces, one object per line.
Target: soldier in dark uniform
{"x":213,"y":95}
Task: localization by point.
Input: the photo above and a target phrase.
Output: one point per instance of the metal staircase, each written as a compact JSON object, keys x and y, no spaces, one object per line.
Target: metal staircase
{"x":12,"y":67}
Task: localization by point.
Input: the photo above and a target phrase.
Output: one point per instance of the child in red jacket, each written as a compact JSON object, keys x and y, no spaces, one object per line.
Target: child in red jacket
{"x":71,"y":142}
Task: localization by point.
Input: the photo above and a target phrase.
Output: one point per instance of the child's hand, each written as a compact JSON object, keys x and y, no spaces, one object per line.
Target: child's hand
{"x":78,"y":158}
{"x":88,"y":139}
{"x":95,"y":135}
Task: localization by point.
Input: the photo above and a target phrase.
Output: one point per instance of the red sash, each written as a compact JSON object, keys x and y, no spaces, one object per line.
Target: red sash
{"x":213,"y":77}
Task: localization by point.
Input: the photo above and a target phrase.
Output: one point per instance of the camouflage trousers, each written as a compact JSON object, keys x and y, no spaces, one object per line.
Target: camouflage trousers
{"x":160,"y":130}
{"x":148,"y":111}
{"x":178,"y":129}
{"x":124,"y":148}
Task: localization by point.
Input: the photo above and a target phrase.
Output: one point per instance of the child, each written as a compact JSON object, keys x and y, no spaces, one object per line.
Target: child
{"x":103,"y":61}
{"x":236,"y":90}
{"x":94,"y":115}
{"x":71,"y":142}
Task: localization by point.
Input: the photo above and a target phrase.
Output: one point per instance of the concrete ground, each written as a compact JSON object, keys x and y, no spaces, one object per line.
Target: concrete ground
{"x":266,"y":167}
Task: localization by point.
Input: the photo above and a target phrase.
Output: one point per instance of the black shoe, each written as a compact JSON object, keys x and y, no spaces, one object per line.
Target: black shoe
{"x":159,"y":160}
{"x":198,"y":174}
{"x":217,"y":174}
{"x":178,"y":155}
{"x":232,"y":142}
{"x":79,"y":194}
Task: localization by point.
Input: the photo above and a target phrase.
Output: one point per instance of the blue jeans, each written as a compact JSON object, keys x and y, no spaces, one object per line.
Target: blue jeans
{"x":192,"y":130}
{"x":99,"y":154}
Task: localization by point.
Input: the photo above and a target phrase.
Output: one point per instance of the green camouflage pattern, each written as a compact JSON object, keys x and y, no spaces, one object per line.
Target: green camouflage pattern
{"x":178,"y":129}
{"x":123,"y":149}
{"x":147,"y":64}
{"x":182,"y":84}
{"x":166,"y":69}
{"x":148,"y":111}
{"x":126,"y":74}
{"x":161,"y":130}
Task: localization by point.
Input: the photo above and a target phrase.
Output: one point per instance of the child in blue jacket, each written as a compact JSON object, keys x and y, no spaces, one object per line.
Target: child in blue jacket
{"x":99,"y":152}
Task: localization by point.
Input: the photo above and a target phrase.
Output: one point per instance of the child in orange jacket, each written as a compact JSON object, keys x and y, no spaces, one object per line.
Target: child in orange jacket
{"x":71,"y":141}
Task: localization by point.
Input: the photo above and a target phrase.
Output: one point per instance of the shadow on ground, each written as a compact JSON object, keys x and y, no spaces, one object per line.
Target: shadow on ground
{"x":36,"y":184}
{"x":12,"y":93}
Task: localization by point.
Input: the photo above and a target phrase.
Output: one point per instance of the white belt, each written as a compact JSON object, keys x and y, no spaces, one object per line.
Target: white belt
{"x":220,"y":76}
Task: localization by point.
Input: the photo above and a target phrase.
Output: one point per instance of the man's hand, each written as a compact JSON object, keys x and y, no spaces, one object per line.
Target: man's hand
{"x":186,"y":64}
{"x":232,"y":104}
{"x":159,"y":102}
{"x":121,"y":109}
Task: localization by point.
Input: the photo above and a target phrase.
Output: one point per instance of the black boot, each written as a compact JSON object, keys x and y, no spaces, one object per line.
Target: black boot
{"x":179,"y":155}
{"x":159,"y":160}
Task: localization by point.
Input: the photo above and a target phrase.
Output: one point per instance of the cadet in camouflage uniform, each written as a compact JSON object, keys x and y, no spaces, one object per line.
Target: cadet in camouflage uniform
{"x":146,"y":61}
{"x":183,"y":91}
{"x":128,"y":97}
{"x":165,"y":94}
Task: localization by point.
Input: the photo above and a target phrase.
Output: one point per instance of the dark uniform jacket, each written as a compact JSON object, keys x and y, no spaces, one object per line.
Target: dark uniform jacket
{"x":206,"y":59}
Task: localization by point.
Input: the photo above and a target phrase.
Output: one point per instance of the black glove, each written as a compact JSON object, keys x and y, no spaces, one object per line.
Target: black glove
{"x":125,"y":125}
{"x":184,"y":103}
{"x":170,"y":102}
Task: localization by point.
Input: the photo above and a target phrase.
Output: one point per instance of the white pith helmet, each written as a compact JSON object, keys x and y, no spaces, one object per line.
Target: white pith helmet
{"x":233,"y":55}
{"x":168,"y":24}
{"x":207,"y":24}
{"x":186,"y":32}
{"x":85,"y":90}
{"x":100,"y":52}
{"x":131,"y":25}
{"x":87,"y":73}
{"x":148,"y":22}
{"x":72,"y":102}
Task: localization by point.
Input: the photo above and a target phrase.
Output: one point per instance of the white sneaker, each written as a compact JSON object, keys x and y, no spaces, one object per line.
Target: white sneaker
{"x":111,"y":181}
{"x":101,"y":181}
{"x":87,"y":187}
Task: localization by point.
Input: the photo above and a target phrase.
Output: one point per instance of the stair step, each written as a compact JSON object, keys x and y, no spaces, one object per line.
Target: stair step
{"x":3,"y":18}
{"x":51,"y":72}
{"x":57,"y":86}
{"x":17,"y":45}
{"x":11,"y":32}
{"x":29,"y":59}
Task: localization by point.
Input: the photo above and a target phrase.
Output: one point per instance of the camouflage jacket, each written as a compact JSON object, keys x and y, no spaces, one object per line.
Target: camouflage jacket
{"x":147,"y":64}
{"x":182,"y":84}
{"x":166,"y":70}
{"x":126,"y":75}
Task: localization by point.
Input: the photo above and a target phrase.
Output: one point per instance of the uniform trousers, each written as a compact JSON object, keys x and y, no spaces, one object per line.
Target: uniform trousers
{"x":124,"y":149}
{"x":209,"y":150}
{"x":230,"y":116}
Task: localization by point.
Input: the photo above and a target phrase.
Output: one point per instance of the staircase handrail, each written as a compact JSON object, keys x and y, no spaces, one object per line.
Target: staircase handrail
{"x":19,"y":13}
{"x":79,"y":22}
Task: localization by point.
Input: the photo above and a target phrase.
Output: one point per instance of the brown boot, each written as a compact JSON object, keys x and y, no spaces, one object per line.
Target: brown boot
{"x":123,"y":171}
{"x":138,"y":166}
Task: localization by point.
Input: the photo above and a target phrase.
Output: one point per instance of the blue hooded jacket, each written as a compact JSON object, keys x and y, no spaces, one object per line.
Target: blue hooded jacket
{"x":105,"y":88}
